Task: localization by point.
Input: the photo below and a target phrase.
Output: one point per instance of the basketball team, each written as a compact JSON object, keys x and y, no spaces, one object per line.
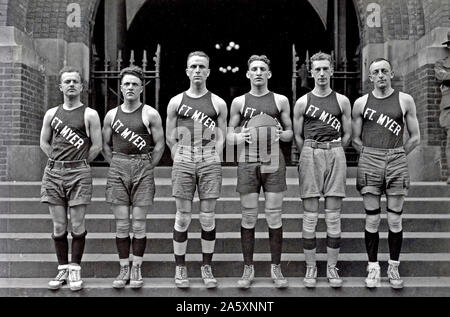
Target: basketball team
{"x":198,"y":126}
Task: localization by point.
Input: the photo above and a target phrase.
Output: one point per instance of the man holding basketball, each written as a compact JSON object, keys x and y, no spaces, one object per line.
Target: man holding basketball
{"x":257,"y":170}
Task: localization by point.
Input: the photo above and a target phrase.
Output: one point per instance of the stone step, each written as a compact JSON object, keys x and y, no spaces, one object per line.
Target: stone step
{"x":261,"y":287}
{"x":164,"y":188}
{"x":232,"y":204}
{"x":28,"y":265}
{"x":226,"y":242}
{"x":224,"y":222}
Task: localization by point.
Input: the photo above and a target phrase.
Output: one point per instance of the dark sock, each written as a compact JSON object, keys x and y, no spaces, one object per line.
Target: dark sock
{"x":395,"y":240}
{"x":208,"y":236}
{"x":371,"y":240}
{"x":123,"y":247}
{"x":248,"y":244}
{"x":276,"y":244}
{"x":180,"y":237}
{"x":78,"y":242}
{"x":62,"y":248}
{"x":139,"y":246}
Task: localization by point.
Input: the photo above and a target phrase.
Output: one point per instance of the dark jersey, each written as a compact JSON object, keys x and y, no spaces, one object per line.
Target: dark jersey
{"x":130,"y":135}
{"x":383,"y":123}
{"x":70,"y":141}
{"x":322,"y":118}
{"x":196,"y":121}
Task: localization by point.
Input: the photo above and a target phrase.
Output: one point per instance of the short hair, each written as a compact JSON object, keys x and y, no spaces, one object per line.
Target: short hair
{"x":380,"y":59}
{"x":197,"y":53}
{"x":262,"y":58}
{"x":321,"y":56}
{"x":69,"y":69}
{"x":132,"y":70}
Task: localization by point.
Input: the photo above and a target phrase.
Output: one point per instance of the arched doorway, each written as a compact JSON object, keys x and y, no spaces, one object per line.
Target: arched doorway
{"x":267,"y":27}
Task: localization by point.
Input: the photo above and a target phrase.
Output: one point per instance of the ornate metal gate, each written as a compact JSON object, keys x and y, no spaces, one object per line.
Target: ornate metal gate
{"x":344,"y":81}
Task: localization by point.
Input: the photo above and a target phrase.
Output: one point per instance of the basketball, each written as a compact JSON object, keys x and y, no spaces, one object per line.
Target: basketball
{"x":262,"y":128}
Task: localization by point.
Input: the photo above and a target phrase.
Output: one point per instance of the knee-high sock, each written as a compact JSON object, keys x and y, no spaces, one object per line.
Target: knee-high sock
{"x":333,"y":247}
{"x":179,"y":246}
{"x":208,"y":243}
{"x":248,"y":244}
{"x":276,"y":244}
{"x":395,"y":241}
{"x":62,"y":248}
{"x":139,"y":246}
{"x":78,"y":242}
{"x":123,"y":247}
{"x":371,"y":240}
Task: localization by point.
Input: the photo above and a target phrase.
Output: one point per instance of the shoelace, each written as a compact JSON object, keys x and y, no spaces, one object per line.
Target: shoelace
{"x":373,"y":273}
{"x":393,"y":272}
{"x":207,"y":271}
{"x":136,"y":272}
{"x":333,"y":272}
{"x":277,"y":272}
{"x":310,"y":272}
{"x":123,"y":272}
{"x":247,"y":272}
{"x":60,"y":275}
{"x":182,"y":273}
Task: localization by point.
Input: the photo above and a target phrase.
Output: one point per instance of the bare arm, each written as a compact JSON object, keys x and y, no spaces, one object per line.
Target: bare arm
{"x":357,"y":122}
{"x":233,"y":136}
{"x":107,"y":136}
{"x":299,"y":110}
{"x":346,"y":119}
{"x":156,"y":129}
{"x":221,"y":122}
{"x":412,"y":124}
{"x":47,"y":132}
{"x":95,"y":133}
{"x":171,"y":124}
{"x":286,"y":134}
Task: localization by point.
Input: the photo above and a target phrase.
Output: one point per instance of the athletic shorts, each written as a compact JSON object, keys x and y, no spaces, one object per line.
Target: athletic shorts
{"x":196,"y":168}
{"x":130,"y":180}
{"x":322,"y":172}
{"x":254,"y":175}
{"x":67,"y":183}
{"x":382,"y":171}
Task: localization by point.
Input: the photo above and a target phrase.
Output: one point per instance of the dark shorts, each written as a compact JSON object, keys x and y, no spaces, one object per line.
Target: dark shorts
{"x":196,"y":168}
{"x":254,"y":175}
{"x":322,"y":172}
{"x":130,"y":180}
{"x":67,"y":183}
{"x":382,"y":171}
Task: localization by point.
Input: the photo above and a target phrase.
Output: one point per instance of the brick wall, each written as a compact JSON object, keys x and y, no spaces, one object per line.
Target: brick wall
{"x":21,"y":108}
{"x":17,"y":14}
{"x":437,"y":14}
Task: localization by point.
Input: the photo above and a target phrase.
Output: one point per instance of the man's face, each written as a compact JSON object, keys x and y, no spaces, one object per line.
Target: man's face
{"x":381,"y":74}
{"x":258,"y":73}
{"x":71,"y":85}
{"x":197,"y":69}
{"x":131,"y":87}
{"x":321,"y":71}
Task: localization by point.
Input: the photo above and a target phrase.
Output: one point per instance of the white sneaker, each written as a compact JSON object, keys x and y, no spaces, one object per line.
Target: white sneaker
{"x":247,"y":277}
{"x":393,"y":274}
{"x":61,"y":277}
{"x":333,"y":277}
{"x":310,"y":276}
{"x":123,"y":278}
{"x":373,"y":278}
{"x":75,"y":282}
{"x":136,"y":280}
{"x":181,"y":278}
{"x":208,"y":277}
{"x":277,"y":277}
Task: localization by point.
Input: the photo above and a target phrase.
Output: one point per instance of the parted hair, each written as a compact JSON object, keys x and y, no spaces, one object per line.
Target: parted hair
{"x":197,"y":53}
{"x":262,"y":58}
{"x":69,"y":69}
{"x":379,"y":59}
{"x":132,"y":70}
{"x":321,"y":56}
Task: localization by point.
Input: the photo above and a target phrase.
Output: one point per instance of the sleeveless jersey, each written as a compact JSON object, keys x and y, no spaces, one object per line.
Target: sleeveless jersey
{"x":196,"y":121}
{"x":130,"y":135}
{"x":383,"y":123}
{"x":70,"y":141}
{"x":253,"y":106}
{"x":322,"y":118}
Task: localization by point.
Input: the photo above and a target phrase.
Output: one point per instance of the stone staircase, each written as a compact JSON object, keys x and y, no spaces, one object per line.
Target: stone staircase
{"x":27,"y":259}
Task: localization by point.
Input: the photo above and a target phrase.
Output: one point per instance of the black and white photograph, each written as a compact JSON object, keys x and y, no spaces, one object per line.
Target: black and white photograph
{"x":225,"y":155}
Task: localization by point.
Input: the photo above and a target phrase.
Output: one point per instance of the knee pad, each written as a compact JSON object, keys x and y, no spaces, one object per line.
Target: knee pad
{"x":249,"y":217}
{"x":207,"y":220}
{"x":122,"y":228}
{"x":138,"y":226}
{"x":182,"y":220}
{"x":394,"y":222}
{"x":372,"y":223}
{"x":273,"y":218}
{"x":333,"y":221}
{"x":309,"y":224}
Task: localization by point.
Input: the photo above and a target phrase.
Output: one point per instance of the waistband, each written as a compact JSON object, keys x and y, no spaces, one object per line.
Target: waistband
{"x":146,"y":156}
{"x":375,"y":150}
{"x":322,"y":145}
{"x":66,"y":164}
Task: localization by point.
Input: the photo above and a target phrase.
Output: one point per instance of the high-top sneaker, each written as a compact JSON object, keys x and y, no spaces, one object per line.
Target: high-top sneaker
{"x":208,"y":277}
{"x":61,"y":277}
{"x":333,"y":277}
{"x":75,"y":281}
{"x":136,"y":280}
{"x":394,"y":275}
{"x":277,"y":277}
{"x":123,"y":278}
{"x":373,"y":276}
{"x":247,"y":277}
{"x":310,"y":276}
{"x":181,"y":277}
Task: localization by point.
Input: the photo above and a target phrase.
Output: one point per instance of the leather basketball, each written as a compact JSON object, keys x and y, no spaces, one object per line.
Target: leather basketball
{"x":262,"y":128}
